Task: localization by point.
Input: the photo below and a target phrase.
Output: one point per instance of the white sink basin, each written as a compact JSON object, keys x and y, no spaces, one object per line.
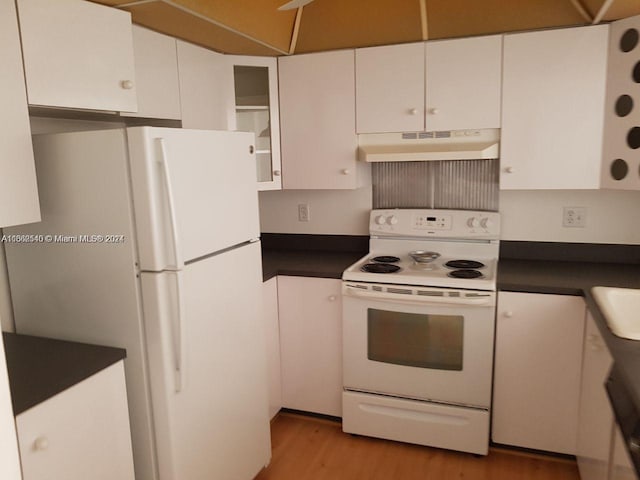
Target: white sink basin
{"x":621,"y":309}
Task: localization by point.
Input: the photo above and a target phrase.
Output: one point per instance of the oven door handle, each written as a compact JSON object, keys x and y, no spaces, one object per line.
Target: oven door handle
{"x":485,"y":300}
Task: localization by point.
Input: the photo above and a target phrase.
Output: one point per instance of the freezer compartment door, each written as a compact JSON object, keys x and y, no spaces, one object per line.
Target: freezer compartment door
{"x":194,"y":193}
{"x":207,"y":358}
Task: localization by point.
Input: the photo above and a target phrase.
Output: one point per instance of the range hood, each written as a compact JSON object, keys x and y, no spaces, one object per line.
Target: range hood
{"x":429,"y":146}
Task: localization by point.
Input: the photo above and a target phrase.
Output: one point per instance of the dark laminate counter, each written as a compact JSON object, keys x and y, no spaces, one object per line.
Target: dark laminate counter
{"x":310,"y":255}
{"x":40,"y":368}
{"x":306,"y":263}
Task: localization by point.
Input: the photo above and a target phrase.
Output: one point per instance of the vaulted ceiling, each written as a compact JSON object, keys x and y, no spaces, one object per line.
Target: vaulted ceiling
{"x":257,"y":27}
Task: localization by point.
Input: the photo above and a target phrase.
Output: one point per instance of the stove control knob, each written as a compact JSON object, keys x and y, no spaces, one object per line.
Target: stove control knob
{"x":486,"y":223}
{"x":473,"y":222}
{"x":392,"y":220}
{"x":380,"y":220}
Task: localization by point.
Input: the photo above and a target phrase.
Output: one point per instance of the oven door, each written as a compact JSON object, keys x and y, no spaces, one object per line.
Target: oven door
{"x":419,"y":342}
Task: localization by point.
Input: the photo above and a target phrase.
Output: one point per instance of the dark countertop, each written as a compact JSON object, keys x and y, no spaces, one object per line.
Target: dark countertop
{"x":306,"y":263}
{"x":40,"y":368}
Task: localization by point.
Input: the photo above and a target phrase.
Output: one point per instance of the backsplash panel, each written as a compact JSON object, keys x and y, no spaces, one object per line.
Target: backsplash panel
{"x":455,"y":184}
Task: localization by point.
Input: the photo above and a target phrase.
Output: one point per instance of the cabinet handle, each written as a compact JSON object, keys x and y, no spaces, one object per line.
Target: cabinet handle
{"x":276,"y":173}
{"x":413,"y":111}
{"x":332,"y":298}
{"x":345,"y":171}
{"x":41,"y":443}
{"x":508,"y":314}
{"x":509,"y":169}
{"x":434,"y":111}
{"x":126,"y":84}
{"x":251,"y":149}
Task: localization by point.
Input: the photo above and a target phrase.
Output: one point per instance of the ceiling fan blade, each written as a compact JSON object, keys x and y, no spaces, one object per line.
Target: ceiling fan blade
{"x":294,"y":4}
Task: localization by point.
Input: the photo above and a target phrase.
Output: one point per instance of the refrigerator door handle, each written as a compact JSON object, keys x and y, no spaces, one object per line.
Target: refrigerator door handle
{"x":170,"y":200}
{"x":180,"y":343}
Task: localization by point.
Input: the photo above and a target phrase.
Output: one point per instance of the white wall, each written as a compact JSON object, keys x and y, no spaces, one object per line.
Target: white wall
{"x":536,"y":215}
{"x":337,"y":212}
{"x":612,"y":216}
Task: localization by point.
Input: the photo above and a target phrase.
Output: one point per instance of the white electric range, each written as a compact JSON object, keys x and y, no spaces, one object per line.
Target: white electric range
{"x":418,"y":335}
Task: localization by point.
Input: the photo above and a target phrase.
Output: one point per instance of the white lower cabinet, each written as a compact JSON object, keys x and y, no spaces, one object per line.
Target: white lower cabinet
{"x":538,"y":363}
{"x":595,"y":417}
{"x":272,"y":331}
{"x":310,"y":312}
{"x":80,"y":433}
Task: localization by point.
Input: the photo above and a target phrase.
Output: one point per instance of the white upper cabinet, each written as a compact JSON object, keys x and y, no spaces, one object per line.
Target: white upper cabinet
{"x":257,"y":110}
{"x":317,"y":121}
{"x":156,"y":66}
{"x":621,"y":162}
{"x":439,"y":85}
{"x":77,"y":54}
{"x":206,"y":89}
{"x":390,"y":88}
{"x":553,"y":108}
{"x":18,"y":188}
{"x":463,"y":83}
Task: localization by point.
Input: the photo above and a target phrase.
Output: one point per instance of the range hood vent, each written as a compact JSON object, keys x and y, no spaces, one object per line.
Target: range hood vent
{"x":429,"y":146}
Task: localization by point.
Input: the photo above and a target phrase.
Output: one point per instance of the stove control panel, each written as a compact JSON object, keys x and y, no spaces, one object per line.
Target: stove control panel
{"x":431,"y":222}
{"x":435,"y":223}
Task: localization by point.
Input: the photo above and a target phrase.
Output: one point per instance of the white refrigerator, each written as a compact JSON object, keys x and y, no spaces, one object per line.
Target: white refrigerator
{"x":149,"y":240}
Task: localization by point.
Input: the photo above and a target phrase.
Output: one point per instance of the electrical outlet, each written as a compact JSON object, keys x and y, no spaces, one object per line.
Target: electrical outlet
{"x":303,"y":212}
{"x":574,"y":217}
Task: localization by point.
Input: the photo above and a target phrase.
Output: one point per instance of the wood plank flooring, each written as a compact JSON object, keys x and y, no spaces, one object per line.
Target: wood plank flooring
{"x":306,"y":448}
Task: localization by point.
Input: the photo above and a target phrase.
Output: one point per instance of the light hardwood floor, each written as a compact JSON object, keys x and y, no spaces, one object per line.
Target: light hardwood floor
{"x":306,"y":448}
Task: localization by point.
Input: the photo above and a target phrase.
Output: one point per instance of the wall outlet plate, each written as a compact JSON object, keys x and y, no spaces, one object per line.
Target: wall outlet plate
{"x":303,"y":212}
{"x":574,"y":217}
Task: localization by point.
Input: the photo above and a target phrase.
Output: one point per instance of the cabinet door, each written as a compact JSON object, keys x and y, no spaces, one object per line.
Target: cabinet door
{"x":311,"y":344}
{"x":317,"y":121}
{"x":9,"y":459}
{"x":553,"y":108}
{"x":18,"y":188}
{"x":77,"y":54}
{"x":595,"y":421}
{"x":463,"y":83}
{"x":621,"y":162}
{"x":83,"y":432}
{"x":206,"y":89}
{"x":156,"y":65}
{"x":257,"y":111}
{"x":390,"y":88}
{"x":272,"y":330}
{"x":537,"y":371}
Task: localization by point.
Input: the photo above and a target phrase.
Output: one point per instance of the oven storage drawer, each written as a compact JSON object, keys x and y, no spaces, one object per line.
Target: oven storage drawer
{"x":423,"y":423}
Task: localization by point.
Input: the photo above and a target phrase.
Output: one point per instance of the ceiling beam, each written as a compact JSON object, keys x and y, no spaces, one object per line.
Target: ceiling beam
{"x":582,"y":10}
{"x":423,"y":19}
{"x":296,"y":31}
{"x":603,"y":10}
{"x":186,"y":10}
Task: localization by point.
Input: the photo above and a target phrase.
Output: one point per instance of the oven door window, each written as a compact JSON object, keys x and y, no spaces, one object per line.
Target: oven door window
{"x":415,"y":339}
